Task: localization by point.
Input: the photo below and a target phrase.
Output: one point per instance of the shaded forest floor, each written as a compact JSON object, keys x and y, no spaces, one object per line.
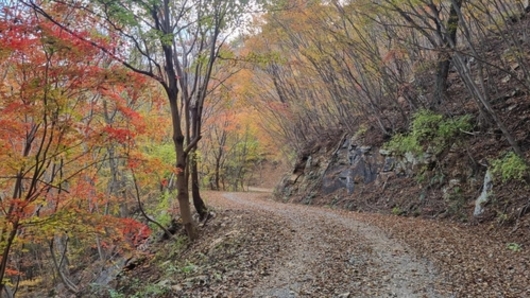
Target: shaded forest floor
{"x":255,"y":247}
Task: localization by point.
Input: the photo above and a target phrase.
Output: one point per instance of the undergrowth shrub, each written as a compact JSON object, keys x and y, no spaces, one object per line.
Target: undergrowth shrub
{"x":429,"y":130}
{"x":511,"y":166}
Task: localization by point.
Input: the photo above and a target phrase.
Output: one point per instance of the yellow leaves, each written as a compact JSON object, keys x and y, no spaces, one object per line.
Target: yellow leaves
{"x":30,"y":282}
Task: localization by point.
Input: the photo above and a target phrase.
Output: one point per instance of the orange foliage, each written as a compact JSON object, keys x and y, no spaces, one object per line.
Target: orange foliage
{"x":53,"y":133}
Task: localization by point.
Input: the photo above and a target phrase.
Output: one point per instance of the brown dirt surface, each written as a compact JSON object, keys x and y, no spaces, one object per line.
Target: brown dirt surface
{"x":256,"y":247}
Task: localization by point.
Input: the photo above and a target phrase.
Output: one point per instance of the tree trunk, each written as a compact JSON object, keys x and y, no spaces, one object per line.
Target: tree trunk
{"x":218,"y":156}
{"x":8,"y":292}
{"x":5,"y":255}
{"x":217,"y":172}
{"x":198,"y":202}
{"x":116,"y":185}
{"x":440,"y":91}
{"x":181,"y":158}
{"x":59,"y":266}
{"x":183,"y":196}
{"x":482,"y":99}
{"x":444,"y":57}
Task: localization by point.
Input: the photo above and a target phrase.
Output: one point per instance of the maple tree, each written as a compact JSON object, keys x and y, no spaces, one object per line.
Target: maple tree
{"x":55,"y":98}
{"x":36,"y":137}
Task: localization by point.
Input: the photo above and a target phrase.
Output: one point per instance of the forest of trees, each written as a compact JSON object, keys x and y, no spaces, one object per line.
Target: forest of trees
{"x":113,"y":111}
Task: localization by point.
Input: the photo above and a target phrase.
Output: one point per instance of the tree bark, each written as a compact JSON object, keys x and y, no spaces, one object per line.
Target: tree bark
{"x":181,"y":154}
{"x":218,"y":156}
{"x":442,"y":73}
{"x":198,"y":202}
{"x":8,"y":292}
{"x":217,"y":171}
{"x":444,"y":57}
{"x":183,"y":196}
{"x":5,"y":255}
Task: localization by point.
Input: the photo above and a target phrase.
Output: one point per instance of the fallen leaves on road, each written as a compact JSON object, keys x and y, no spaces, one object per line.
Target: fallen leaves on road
{"x":255,"y":247}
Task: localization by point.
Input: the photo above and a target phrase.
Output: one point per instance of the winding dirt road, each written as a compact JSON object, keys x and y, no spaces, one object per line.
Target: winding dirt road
{"x":256,"y":247}
{"x":332,"y":254}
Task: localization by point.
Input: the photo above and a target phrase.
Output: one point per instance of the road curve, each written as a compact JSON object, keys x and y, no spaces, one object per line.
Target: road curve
{"x":332,"y":254}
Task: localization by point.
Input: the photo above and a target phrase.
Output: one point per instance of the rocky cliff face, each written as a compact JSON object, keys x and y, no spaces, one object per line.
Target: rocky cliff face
{"x":357,"y":176}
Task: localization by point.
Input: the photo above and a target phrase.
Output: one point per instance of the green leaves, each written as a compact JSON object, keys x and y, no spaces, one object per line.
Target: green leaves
{"x":510,"y":167}
{"x":121,"y":12}
{"x":429,"y":129}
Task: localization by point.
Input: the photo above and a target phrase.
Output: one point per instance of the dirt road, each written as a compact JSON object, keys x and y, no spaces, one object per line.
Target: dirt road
{"x":256,"y":247}
{"x":331,"y":254}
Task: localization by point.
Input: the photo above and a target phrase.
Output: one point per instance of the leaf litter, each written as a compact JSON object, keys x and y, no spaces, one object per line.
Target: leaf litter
{"x":256,"y":247}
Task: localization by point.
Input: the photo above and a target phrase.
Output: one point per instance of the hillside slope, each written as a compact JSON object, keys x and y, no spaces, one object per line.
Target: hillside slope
{"x":372,"y":172}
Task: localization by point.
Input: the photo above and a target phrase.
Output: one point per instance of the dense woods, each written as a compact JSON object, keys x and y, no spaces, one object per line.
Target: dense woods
{"x":113,"y":112}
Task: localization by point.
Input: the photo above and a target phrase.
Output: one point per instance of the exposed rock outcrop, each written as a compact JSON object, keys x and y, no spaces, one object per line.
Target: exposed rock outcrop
{"x":353,"y":170}
{"x":484,"y":195}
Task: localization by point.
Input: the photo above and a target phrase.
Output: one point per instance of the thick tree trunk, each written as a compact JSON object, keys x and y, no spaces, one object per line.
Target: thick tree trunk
{"x":181,"y":158}
{"x":182,"y":189}
{"x":440,"y":91}
{"x":198,"y":202}
{"x":172,"y":91}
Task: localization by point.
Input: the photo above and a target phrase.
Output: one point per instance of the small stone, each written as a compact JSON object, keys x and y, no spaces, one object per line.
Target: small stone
{"x":410,"y":158}
{"x":384,"y":152}
{"x":454,"y":182}
{"x":365,"y":149}
{"x":176,"y":288}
